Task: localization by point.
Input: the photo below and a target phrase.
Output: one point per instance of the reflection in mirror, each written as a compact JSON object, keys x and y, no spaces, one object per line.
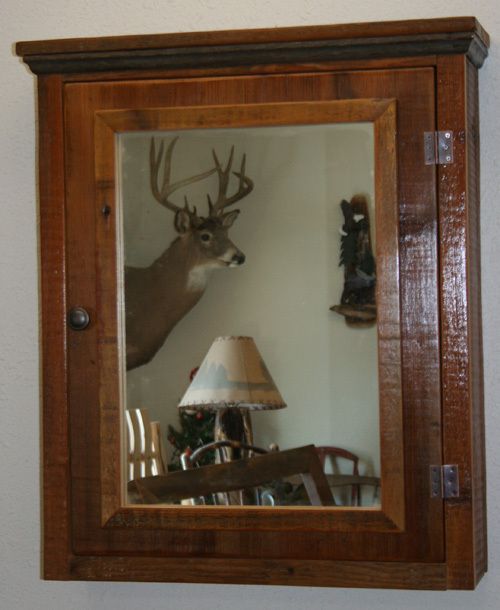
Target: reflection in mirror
{"x":249,"y":285}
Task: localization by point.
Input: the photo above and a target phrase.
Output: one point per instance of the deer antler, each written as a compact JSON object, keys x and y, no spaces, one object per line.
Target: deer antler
{"x":245,"y":185}
{"x":162,"y":194}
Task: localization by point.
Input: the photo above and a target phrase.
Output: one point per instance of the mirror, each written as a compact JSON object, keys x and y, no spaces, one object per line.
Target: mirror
{"x":294,"y":270}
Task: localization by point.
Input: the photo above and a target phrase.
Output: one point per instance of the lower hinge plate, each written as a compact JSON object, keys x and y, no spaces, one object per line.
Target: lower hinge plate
{"x":444,"y":481}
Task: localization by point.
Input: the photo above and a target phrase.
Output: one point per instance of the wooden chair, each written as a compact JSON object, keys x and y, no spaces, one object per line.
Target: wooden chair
{"x":239,"y":474}
{"x":145,"y":452}
{"x":353,"y":479}
{"x":191,"y":459}
{"x":333,"y":453}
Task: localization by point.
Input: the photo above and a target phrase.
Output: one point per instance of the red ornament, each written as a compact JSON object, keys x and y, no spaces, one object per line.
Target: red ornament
{"x":199,"y":415}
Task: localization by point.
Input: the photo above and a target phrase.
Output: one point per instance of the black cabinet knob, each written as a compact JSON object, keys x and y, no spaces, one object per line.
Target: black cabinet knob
{"x":78,"y":318}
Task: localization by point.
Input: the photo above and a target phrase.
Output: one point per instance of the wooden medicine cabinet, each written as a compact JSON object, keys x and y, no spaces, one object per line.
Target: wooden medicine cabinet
{"x":197,"y":194}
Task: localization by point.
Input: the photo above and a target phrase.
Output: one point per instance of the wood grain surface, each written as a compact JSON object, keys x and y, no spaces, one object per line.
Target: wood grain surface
{"x":463,"y":410}
{"x":430,"y":331}
{"x":456,"y":35}
{"x":417,"y":27}
{"x":410,"y":352}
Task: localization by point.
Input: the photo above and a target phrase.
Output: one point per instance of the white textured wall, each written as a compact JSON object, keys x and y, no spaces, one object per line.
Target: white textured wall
{"x":20,"y":584}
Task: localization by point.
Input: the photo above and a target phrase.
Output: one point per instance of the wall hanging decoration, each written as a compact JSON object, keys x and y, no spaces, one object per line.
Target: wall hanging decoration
{"x":357,"y":303}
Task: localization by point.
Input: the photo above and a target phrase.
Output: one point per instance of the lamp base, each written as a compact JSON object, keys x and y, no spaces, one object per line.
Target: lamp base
{"x":233,"y":424}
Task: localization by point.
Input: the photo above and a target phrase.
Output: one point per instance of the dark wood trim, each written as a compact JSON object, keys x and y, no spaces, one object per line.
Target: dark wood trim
{"x":326,"y":66}
{"x":462,"y":35}
{"x":55,"y":454}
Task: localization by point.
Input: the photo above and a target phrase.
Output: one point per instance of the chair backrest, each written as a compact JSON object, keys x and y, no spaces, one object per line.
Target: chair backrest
{"x":145,"y":453}
{"x":190,"y":459}
{"x":332,"y":453}
{"x":239,"y":474}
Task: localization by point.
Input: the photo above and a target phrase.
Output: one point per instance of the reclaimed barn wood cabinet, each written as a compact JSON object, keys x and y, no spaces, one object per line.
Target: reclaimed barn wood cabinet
{"x":415,"y":82}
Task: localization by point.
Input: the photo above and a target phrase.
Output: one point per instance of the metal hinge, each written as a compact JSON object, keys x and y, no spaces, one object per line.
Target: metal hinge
{"x":444,"y":481}
{"x":438,"y":147}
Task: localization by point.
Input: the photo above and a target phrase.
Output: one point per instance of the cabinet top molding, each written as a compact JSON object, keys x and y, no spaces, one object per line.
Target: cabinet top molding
{"x":219,"y":49}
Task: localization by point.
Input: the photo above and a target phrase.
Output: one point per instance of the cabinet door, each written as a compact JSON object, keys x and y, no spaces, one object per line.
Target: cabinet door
{"x":408,"y":525}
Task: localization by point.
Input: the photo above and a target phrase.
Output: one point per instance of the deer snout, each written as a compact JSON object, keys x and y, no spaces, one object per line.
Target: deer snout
{"x":238,"y":259}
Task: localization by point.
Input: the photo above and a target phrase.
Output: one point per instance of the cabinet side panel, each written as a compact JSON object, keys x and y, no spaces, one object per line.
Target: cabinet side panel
{"x":475,"y":325}
{"x":463,"y":423}
{"x":56,"y":509}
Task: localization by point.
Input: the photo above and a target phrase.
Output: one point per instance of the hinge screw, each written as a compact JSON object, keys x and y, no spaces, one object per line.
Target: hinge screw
{"x":106,"y":210}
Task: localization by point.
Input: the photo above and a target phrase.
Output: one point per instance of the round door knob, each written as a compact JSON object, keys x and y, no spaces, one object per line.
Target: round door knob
{"x":78,"y":318}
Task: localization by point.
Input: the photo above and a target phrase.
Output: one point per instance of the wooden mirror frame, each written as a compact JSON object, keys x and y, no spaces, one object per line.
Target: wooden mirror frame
{"x":382,"y":114}
{"x":88,"y":534}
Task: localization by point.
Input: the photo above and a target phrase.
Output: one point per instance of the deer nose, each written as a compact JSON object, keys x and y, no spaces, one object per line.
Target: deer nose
{"x":238,"y":259}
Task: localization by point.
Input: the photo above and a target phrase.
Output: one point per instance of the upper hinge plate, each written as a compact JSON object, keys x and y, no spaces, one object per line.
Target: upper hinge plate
{"x":438,"y":147}
{"x":444,"y":481}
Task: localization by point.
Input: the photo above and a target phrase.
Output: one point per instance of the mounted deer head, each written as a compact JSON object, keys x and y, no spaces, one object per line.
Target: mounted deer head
{"x":159,"y":296}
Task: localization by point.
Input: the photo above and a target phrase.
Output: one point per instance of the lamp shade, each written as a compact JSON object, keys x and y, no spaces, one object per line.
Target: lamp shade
{"x":232,"y":374}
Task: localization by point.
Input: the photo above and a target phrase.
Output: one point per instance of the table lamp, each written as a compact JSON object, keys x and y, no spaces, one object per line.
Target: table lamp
{"x":232,"y":381}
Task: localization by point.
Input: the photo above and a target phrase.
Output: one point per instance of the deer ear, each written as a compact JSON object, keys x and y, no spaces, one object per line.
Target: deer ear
{"x":229,"y":218}
{"x":182,"y":221}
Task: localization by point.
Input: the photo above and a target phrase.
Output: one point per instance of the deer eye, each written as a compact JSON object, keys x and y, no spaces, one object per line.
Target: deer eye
{"x":205,"y":237}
